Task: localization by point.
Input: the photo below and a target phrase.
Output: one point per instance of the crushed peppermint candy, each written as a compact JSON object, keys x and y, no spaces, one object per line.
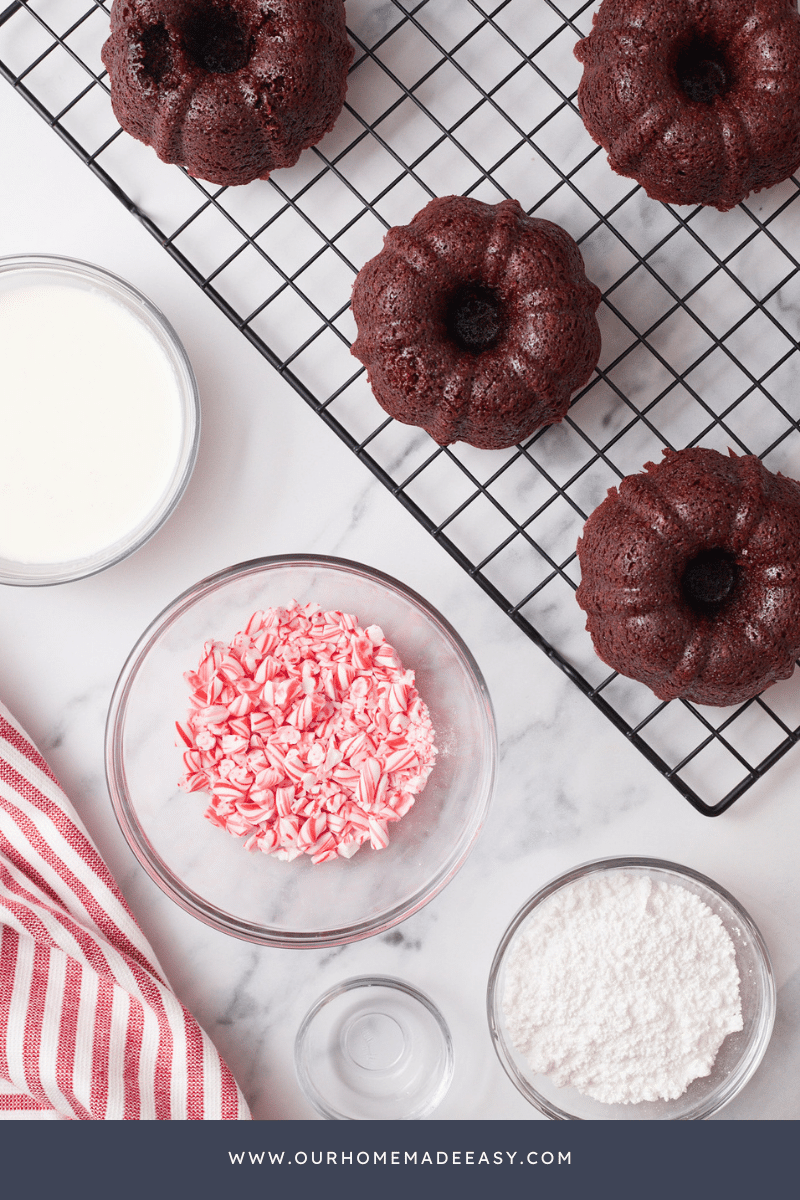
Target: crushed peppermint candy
{"x":308,"y":733}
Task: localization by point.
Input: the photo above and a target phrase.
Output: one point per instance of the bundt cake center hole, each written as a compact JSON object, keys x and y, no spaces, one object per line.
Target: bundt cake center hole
{"x":155,"y":52}
{"x":709,"y":579}
{"x":702,"y":71}
{"x":474,"y":318}
{"x":215,"y":39}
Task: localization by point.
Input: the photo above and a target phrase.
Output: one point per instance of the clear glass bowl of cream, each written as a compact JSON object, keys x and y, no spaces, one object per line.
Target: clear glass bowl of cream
{"x":740,"y":1052}
{"x":100,"y":415}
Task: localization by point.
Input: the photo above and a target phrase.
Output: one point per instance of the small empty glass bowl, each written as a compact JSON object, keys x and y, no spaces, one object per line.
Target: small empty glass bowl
{"x":101,"y":419}
{"x":739,"y":1054}
{"x":374,"y":1049}
{"x":253,"y":895}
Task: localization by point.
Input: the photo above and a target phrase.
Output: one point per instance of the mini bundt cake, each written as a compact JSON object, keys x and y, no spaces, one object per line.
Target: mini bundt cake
{"x":698,"y":100}
{"x":476,"y":322}
{"x":691,"y":577}
{"x":230,"y":89}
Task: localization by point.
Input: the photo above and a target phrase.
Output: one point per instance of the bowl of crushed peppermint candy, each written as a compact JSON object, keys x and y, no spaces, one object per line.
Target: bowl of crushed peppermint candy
{"x":300,"y":751}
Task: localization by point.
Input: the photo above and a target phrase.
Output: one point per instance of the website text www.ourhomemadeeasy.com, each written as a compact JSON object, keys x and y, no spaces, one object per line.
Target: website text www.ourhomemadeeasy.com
{"x":400,"y":1158}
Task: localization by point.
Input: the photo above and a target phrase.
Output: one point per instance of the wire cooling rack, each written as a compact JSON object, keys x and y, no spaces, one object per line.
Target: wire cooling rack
{"x":699,"y":318}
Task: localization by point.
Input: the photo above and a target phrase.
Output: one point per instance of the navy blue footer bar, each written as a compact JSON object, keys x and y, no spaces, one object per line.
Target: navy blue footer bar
{"x":148,"y":1161}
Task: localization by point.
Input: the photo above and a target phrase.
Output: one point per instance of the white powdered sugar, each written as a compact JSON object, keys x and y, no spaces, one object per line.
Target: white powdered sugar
{"x":623,"y":987}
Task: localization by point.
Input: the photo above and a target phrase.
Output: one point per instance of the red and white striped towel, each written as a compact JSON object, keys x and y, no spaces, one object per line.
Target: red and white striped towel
{"x":89,"y":1030}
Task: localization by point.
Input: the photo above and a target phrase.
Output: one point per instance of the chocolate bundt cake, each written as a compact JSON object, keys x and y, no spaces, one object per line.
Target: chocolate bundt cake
{"x":691,"y":577}
{"x":230,"y":89}
{"x":698,"y":100}
{"x":476,"y":322}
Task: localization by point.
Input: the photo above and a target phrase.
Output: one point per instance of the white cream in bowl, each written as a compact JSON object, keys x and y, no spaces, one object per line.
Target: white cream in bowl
{"x":99,"y":420}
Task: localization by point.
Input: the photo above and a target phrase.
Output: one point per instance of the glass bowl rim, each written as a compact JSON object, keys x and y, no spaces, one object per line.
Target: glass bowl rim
{"x":365,"y":981}
{"x":154,"y":319}
{"x":152,"y":862}
{"x":716,"y":1100}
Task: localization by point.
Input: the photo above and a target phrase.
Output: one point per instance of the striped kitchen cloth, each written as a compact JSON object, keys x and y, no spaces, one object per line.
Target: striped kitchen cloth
{"x":89,"y":1029}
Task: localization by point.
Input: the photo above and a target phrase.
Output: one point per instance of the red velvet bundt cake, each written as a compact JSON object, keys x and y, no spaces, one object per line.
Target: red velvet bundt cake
{"x":230,"y":89}
{"x":698,"y":100}
{"x":691,"y":577}
{"x":476,"y":322}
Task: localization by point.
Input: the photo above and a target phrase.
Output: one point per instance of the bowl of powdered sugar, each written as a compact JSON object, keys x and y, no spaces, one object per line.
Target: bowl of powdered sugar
{"x":631,"y":989}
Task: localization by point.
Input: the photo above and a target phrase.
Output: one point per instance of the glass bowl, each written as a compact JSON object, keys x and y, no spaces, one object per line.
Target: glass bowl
{"x":739,"y":1054}
{"x":374,"y":1049}
{"x":101,"y":419}
{"x":253,"y":895}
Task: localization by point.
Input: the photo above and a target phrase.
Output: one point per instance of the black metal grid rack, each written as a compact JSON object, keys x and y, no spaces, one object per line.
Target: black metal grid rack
{"x":700,"y":312}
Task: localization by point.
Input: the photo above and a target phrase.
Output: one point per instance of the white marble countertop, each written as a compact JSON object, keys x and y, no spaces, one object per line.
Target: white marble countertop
{"x":271,"y":479}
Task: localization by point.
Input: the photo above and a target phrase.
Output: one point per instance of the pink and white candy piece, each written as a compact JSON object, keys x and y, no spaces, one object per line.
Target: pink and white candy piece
{"x":308,"y":732}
